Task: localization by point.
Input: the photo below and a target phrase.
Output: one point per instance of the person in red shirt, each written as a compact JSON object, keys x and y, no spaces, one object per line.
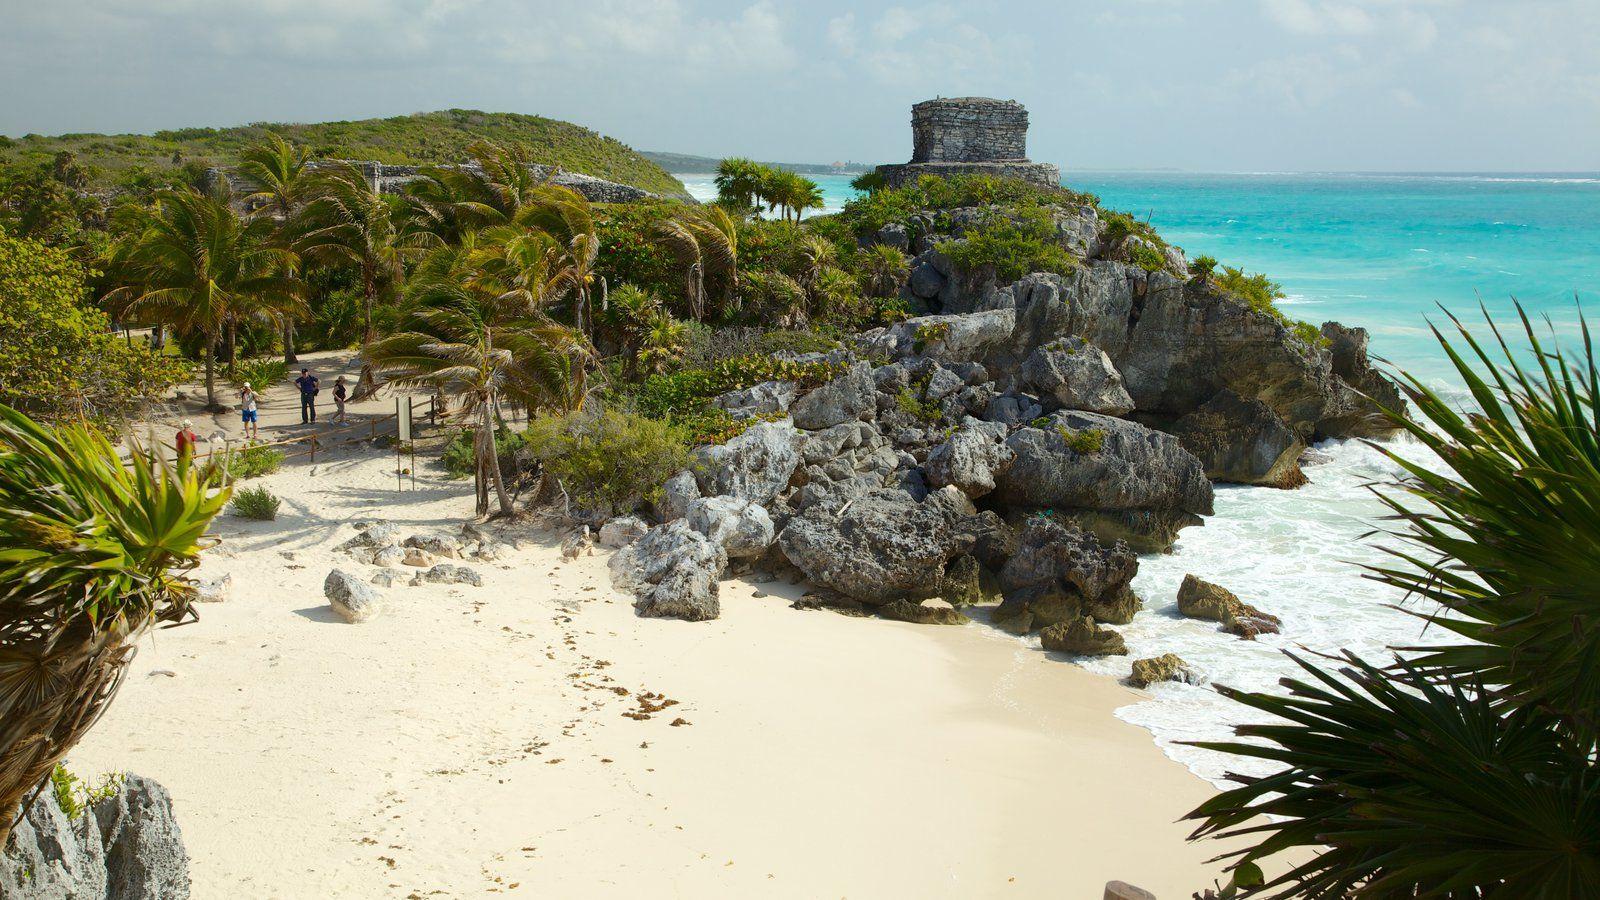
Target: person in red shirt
{"x":186,"y":441}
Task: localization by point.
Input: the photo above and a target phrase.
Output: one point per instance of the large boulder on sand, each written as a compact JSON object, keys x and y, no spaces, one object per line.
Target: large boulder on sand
{"x":672,"y":572}
{"x":1166,"y":667}
{"x":1101,"y":464}
{"x":883,"y":545}
{"x":145,"y":857}
{"x":848,"y":398}
{"x":1203,"y":600}
{"x":971,"y":458}
{"x":677,"y":493}
{"x":1060,"y":572}
{"x":354,"y":600}
{"x":1080,"y":636}
{"x":1242,"y":441}
{"x":753,"y":466}
{"x":740,"y":527}
{"x":1078,"y":375}
{"x":51,"y":856}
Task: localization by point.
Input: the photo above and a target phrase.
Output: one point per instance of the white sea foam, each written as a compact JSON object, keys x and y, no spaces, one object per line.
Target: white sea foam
{"x":1295,"y":554}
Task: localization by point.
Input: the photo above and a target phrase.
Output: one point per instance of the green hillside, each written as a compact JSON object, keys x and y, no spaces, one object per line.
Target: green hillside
{"x":434,"y":137}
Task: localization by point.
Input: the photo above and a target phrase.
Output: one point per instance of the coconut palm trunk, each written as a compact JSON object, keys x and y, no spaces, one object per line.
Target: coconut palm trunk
{"x":211,"y":373}
{"x":289,"y":356}
{"x":489,"y":462}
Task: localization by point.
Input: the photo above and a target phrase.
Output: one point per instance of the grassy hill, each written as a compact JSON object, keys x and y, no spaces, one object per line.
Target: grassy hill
{"x":689,"y":164}
{"x":434,"y":137}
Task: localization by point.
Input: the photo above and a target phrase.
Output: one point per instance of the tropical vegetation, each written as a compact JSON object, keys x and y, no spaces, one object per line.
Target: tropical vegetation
{"x":1465,"y":769}
{"x":94,"y":548}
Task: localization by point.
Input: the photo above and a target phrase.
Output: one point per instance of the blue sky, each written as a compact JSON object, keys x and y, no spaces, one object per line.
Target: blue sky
{"x":1215,"y":85}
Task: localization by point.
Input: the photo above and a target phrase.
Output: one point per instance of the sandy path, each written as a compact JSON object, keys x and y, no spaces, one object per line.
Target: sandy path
{"x":471,"y":741}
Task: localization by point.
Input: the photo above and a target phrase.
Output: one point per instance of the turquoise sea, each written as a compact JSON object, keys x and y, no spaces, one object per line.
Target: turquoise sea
{"x":1379,"y":251}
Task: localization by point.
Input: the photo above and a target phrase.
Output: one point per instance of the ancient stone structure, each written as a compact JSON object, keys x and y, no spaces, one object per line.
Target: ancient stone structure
{"x":970,"y":135}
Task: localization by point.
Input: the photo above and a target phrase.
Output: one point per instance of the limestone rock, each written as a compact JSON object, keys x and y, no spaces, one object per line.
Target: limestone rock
{"x":676,"y":494}
{"x":144,"y":853}
{"x":753,"y":466}
{"x":1203,"y":600}
{"x":971,"y":459}
{"x":415,"y":556}
{"x":764,"y":399}
{"x":1242,"y":441}
{"x":442,"y":545}
{"x":1166,"y":667}
{"x":1347,"y":350}
{"x":214,"y":590}
{"x":672,"y":572}
{"x":445,"y":573}
{"x":621,"y":531}
{"x":964,"y":337}
{"x":354,"y":600}
{"x":1060,"y":573}
{"x":52,"y":858}
{"x":743,"y":529}
{"x":848,"y":398}
{"x":921,"y":614}
{"x":387,"y":578}
{"x":379,"y":534}
{"x":880,"y":546}
{"x":576,"y":543}
{"x":967,"y":583}
{"x":387,"y":557}
{"x":1078,"y":375}
{"x":1082,"y":637}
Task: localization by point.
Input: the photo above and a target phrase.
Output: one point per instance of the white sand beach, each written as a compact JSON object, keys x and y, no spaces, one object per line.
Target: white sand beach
{"x":472,"y":740}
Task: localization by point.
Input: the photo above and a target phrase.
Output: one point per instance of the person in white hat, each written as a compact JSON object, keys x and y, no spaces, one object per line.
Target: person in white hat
{"x":247,"y":412}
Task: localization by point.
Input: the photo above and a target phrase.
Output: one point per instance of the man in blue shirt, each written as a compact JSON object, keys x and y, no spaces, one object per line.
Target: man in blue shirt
{"x":307,"y":383}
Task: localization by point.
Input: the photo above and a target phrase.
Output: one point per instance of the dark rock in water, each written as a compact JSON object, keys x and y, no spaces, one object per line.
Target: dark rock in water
{"x":1060,"y":573}
{"x":126,"y":847}
{"x":1203,"y":600}
{"x":1090,"y":462}
{"x":672,"y":572}
{"x":1242,"y":441}
{"x":1082,"y":637}
{"x":1348,"y":349}
{"x":1078,"y":375}
{"x":1166,"y":667}
{"x":881,"y":546}
{"x":920,"y":614}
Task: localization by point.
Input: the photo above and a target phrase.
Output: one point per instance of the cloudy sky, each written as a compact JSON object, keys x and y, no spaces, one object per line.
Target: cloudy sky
{"x":1214,"y":85}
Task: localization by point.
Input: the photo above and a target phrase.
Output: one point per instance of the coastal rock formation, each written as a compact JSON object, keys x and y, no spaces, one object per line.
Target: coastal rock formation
{"x":1203,"y":600}
{"x":741,"y":528}
{"x":1080,"y":636}
{"x":754,"y":466}
{"x":881,"y":546}
{"x":354,"y":600}
{"x":1060,"y":573}
{"x":672,"y":572}
{"x":1166,"y":667}
{"x":621,"y":531}
{"x":847,"y":398}
{"x":1242,"y":441}
{"x":677,"y":493}
{"x":1078,"y":375}
{"x":921,"y":613}
{"x":445,"y":573}
{"x":125,"y":847}
{"x":971,"y":459}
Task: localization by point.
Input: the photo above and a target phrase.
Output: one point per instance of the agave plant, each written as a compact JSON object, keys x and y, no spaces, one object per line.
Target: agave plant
{"x":1469,"y":769}
{"x":93,"y":552}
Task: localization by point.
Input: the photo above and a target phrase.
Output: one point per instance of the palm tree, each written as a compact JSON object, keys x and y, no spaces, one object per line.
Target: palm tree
{"x":705,"y":241}
{"x":452,"y":200}
{"x":886,"y":270}
{"x":189,"y":261}
{"x":740,"y":183}
{"x":346,"y":222}
{"x":474,"y":339}
{"x":566,"y":217}
{"x":276,"y":170}
{"x":1466,"y":770}
{"x":92,"y":553}
{"x":790,"y":193}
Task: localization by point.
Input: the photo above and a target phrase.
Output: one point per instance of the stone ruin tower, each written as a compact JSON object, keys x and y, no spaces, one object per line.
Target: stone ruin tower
{"x":970,"y":135}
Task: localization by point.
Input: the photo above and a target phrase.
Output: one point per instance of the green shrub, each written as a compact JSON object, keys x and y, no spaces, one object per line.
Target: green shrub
{"x":1203,"y":266}
{"x":1146,"y":257}
{"x":926,"y":335}
{"x":261,"y":374}
{"x":686,"y":391}
{"x":1261,"y":294}
{"x":610,"y":460}
{"x":1014,"y":242}
{"x":913,"y":402}
{"x":872,"y":212}
{"x":75,"y":796}
{"x":255,"y":503}
{"x":460,"y":456}
{"x":800,"y":341}
{"x":1089,"y":440}
{"x":253,"y":461}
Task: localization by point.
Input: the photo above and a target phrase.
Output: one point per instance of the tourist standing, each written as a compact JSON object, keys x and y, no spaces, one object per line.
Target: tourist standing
{"x":339,"y":396}
{"x":185,"y":442}
{"x":248,"y":413}
{"x":308,"y":385}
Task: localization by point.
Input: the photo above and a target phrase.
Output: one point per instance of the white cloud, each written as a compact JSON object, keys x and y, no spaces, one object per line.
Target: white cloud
{"x":906,"y":45}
